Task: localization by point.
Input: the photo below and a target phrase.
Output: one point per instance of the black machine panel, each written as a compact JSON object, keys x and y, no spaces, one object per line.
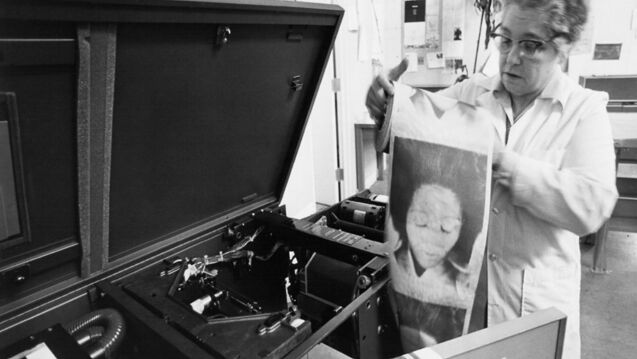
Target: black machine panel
{"x":239,"y":311}
{"x":38,"y":101}
{"x":220,"y":120}
{"x":38,"y":109}
{"x":266,"y":293}
{"x":122,"y":118}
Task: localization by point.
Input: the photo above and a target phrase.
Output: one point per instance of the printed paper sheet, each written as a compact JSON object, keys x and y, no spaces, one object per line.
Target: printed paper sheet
{"x":437,"y":215}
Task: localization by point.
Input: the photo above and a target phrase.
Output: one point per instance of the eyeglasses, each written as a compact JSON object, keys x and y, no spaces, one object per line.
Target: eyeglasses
{"x":529,"y":47}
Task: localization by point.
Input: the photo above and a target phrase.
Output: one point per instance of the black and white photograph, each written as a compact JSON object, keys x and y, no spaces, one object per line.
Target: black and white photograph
{"x":318,"y":179}
{"x":436,"y":212}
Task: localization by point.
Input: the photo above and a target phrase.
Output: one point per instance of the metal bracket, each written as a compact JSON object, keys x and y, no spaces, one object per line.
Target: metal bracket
{"x":223,"y":32}
{"x":296,"y":84}
{"x":18,"y":275}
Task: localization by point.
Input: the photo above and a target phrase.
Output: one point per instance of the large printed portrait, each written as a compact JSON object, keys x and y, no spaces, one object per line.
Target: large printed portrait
{"x":434,"y":227}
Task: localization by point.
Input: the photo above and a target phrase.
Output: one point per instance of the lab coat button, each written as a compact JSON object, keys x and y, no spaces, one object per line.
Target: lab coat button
{"x":495,"y":210}
{"x":492,"y":257}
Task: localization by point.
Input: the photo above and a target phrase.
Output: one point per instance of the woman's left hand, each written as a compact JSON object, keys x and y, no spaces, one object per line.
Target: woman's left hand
{"x":502,"y":178}
{"x":499,"y":174}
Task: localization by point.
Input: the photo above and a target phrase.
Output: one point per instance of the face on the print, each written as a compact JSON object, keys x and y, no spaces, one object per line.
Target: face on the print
{"x":434,"y":219}
{"x":523,"y":74}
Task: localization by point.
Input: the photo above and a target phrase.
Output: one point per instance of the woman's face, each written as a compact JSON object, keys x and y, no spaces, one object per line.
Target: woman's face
{"x":433,"y":224}
{"x":524,"y":74}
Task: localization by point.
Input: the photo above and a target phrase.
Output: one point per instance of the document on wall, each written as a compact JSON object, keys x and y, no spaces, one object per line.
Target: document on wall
{"x":433,"y":41}
{"x":412,"y":57}
{"x":435,"y":60}
{"x":414,"y":33}
{"x":453,"y":15}
{"x":437,"y":218}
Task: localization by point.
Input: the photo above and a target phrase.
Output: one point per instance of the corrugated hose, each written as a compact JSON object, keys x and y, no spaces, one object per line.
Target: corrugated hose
{"x":99,"y":332}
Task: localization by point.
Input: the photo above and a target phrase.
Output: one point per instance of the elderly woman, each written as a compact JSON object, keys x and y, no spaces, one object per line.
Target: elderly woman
{"x":554,"y":175}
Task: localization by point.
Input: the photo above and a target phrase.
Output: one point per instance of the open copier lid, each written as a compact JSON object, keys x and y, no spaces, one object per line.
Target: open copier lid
{"x":203,"y":106}
{"x":207,"y":118}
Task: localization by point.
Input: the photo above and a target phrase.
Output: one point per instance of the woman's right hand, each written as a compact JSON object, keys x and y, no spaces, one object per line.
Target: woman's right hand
{"x":381,"y":89}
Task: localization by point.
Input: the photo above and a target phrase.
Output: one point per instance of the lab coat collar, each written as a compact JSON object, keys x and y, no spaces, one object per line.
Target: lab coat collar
{"x":556,"y":89}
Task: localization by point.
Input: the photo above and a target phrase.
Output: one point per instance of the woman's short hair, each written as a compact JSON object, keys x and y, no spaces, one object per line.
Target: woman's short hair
{"x":564,"y":18}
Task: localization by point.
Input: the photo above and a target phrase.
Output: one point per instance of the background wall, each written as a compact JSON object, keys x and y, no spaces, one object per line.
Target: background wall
{"x":425,"y":76}
{"x":370,"y":41}
{"x":359,"y":48}
{"x":610,"y":22}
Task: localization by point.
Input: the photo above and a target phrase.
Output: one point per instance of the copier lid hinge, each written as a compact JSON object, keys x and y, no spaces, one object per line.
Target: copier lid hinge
{"x":336,"y":84}
{"x":340,"y":174}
